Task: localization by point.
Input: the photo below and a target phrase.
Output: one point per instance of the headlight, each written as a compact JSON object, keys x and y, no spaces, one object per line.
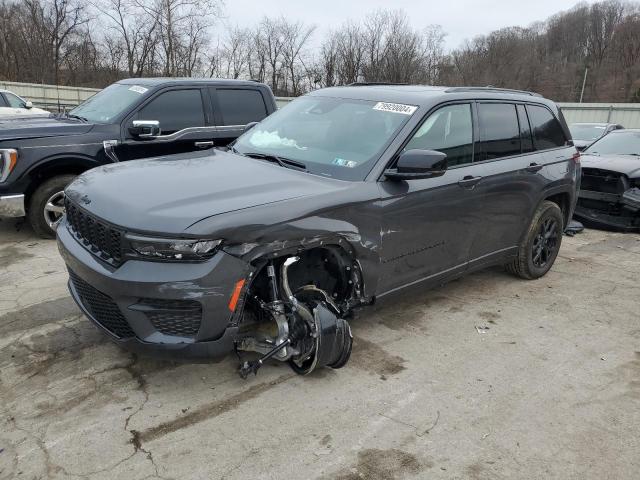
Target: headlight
{"x":173,"y":248}
{"x":8,"y":159}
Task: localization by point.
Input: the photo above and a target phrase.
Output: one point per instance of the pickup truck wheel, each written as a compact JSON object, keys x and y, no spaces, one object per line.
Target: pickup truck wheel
{"x":46,"y":206}
{"x":541,"y":245}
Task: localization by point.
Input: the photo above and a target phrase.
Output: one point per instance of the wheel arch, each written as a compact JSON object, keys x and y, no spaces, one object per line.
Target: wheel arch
{"x":563,"y":200}
{"x":54,"y":166}
{"x":338,"y":254}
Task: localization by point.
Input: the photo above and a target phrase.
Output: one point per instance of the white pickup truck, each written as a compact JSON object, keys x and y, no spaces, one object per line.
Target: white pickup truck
{"x":13,"y":105}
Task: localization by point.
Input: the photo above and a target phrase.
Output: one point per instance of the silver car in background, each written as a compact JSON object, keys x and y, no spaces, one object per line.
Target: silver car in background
{"x":584,"y":134}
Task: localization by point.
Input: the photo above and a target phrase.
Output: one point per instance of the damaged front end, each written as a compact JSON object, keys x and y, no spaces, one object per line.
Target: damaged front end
{"x":295,"y":311}
{"x":609,"y":200}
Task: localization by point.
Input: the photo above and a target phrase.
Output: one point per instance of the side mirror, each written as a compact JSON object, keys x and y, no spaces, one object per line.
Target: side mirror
{"x":416,"y":164}
{"x":145,"y":129}
{"x":28,"y":104}
{"x":249,"y":126}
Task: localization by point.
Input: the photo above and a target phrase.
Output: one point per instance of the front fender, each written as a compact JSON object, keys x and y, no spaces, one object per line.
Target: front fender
{"x":308,"y":233}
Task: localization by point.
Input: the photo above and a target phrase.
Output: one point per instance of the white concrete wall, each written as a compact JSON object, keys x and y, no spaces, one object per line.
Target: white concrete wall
{"x":626,"y":114}
{"x":50,"y":96}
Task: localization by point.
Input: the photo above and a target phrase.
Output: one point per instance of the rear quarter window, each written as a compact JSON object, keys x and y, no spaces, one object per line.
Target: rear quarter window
{"x":240,"y":106}
{"x":546,"y":129}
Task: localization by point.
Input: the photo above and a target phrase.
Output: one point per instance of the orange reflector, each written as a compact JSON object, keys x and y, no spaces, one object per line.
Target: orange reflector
{"x":236,"y":295}
{"x":13,"y":158}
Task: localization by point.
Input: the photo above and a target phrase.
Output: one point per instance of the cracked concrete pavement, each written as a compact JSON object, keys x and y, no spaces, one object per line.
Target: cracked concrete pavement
{"x":547,"y":386}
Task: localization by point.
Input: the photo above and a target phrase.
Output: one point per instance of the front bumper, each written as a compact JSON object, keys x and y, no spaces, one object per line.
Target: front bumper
{"x":141,"y":304}
{"x":601,"y":220}
{"x":12,"y":206}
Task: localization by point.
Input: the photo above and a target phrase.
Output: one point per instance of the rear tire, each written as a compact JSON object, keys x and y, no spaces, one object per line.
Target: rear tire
{"x":46,"y":207}
{"x":541,"y":244}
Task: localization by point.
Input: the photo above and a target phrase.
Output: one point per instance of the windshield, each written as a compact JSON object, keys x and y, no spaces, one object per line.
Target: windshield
{"x":107,"y":104}
{"x":617,"y":143}
{"x":334,"y":137}
{"x":587,"y":132}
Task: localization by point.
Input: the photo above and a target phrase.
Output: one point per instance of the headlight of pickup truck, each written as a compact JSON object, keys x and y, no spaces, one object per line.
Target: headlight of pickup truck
{"x":173,"y":249}
{"x":8,"y":159}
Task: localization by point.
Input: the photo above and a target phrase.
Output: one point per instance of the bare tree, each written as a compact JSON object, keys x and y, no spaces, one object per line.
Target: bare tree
{"x":93,"y":44}
{"x":235,"y":51}
{"x":182,"y":26}
{"x":133,"y":26}
{"x":56,"y":21}
{"x":295,"y":39}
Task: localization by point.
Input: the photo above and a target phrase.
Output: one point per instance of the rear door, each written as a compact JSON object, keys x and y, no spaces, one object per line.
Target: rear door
{"x":234,"y":108}
{"x":509,"y":180}
{"x":185,"y":121}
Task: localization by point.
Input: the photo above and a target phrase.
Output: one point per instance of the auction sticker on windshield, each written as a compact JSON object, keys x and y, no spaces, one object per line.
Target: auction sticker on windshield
{"x":395,"y":108}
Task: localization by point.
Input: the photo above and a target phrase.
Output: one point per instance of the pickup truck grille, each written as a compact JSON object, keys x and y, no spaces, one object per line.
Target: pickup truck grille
{"x":100,"y":238}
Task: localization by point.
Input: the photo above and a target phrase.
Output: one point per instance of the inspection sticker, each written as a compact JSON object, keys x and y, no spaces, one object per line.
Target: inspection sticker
{"x":344,"y":163}
{"x":395,"y":108}
{"x":138,"y":89}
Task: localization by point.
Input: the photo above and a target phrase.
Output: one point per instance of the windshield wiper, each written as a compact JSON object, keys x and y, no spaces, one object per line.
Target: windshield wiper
{"x":282,"y":161}
{"x":72,"y":115}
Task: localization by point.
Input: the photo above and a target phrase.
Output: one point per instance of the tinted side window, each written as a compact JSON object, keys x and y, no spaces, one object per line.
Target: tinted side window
{"x":239,"y":107}
{"x":499,"y":132}
{"x":525,"y":130}
{"x":547,"y":132}
{"x":3,"y":102}
{"x":448,"y":130}
{"x":175,"y":110}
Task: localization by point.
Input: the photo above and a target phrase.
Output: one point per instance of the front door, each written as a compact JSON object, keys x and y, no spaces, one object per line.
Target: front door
{"x":428,"y":225}
{"x":185,"y":125}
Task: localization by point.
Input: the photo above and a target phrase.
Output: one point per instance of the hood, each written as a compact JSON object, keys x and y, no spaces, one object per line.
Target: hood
{"x":39,"y":126}
{"x":626,"y":164}
{"x":169,"y":194}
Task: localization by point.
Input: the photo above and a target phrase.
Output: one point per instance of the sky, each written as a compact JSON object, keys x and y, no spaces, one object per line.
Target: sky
{"x":460,"y":19}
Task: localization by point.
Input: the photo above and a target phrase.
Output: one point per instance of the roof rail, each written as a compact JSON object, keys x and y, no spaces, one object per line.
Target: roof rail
{"x":491,"y":89}
{"x":365,"y":84}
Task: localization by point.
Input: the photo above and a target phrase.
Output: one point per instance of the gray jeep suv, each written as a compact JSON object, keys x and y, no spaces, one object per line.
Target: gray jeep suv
{"x":345,"y":196}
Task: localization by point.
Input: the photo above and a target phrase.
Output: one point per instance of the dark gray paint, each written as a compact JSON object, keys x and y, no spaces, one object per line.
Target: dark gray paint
{"x":401,"y":233}
{"x":53,"y":145}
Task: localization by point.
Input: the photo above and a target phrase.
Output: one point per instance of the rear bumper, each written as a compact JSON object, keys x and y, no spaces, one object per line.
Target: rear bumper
{"x":148,"y":307}
{"x":12,"y":206}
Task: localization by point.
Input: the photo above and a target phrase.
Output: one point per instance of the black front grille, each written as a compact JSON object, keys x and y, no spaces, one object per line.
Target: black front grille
{"x":173,"y":317}
{"x":605,"y":181}
{"x":98,"y":237}
{"x":102,"y":308}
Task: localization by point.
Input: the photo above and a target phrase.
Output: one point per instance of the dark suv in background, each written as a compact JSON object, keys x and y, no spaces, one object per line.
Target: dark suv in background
{"x":131,"y":119}
{"x":342,"y":197}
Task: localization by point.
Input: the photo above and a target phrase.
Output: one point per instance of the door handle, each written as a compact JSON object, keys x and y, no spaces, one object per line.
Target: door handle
{"x":534,"y":167}
{"x":469,"y":181}
{"x":204,"y":144}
